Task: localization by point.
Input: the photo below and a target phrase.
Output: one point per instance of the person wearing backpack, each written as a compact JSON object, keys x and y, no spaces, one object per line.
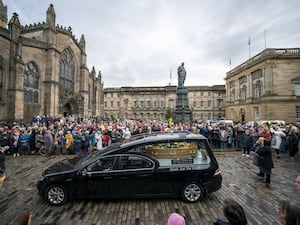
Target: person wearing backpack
{"x":85,"y":142}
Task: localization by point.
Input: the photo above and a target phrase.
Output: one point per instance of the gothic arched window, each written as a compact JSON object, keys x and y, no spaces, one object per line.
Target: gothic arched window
{"x":90,"y":97}
{"x":67,"y":71}
{"x":31,"y":83}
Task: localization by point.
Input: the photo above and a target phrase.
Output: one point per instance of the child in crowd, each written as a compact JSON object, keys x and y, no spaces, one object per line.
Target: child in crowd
{"x":233,"y":214}
{"x":176,"y":219}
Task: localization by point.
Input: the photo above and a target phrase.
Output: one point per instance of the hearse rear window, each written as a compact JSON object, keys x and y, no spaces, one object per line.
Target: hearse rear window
{"x":170,"y":153}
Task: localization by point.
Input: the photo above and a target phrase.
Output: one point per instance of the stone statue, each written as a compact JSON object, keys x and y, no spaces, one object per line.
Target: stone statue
{"x":181,"y":75}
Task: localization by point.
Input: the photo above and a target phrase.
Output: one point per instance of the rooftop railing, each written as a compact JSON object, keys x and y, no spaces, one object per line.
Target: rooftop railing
{"x":266,"y":54}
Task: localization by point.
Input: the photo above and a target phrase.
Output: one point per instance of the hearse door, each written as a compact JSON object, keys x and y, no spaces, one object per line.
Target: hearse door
{"x":133,"y":175}
{"x":98,"y":179}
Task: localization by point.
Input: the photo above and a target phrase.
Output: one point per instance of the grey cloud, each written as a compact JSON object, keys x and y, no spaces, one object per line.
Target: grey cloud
{"x":138,"y":42}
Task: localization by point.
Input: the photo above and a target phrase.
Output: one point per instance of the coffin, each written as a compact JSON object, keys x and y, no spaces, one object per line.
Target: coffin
{"x":183,"y":150}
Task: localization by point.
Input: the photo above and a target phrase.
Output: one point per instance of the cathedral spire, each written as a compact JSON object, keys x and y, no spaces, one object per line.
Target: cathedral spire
{"x":14,"y":26}
{"x":15,"y":20}
{"x":93,"y":72}
{"x":50,"y":19}
{"x":99,"y":76}
{"x":3,"y":15}
{"x":82,"y":43}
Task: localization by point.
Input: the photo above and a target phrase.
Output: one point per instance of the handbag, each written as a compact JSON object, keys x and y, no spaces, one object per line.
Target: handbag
{"x":258,"y":160}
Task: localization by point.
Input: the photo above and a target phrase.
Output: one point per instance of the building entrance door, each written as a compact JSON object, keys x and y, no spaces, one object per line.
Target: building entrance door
{"x":67,"y":109}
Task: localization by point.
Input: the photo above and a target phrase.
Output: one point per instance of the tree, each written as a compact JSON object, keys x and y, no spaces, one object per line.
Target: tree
{"x":169,"y":114}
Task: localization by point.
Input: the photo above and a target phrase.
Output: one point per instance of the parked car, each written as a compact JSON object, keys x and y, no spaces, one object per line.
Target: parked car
{"x":158,"y":165}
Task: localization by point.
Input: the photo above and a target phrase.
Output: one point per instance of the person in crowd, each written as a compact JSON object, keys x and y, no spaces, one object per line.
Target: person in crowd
{"x":297,"y":184}
{"x":69,"y":142}
{"x":276,"y":139}
{"x":289,"y":213}
{"x":265,"y":161}
{"x":265,"y":132}
{"x":222,"y":137}
{"x":126,"y":133}
{"x":105,"y":139}
{"x":32,"y":140}
{"x":235,"y":136}
{"x":247,"y":143}
{"x":233,"y":214}
{"x":61,"y":143}
{"x":39,"y":139}
{"x":55,"y":139}
{"x":93,"y":139}
{"x":292,"y":143}
{"x":48,"y":142}
{"x":115,"y":136}
{"x":4,"y":138}
{"x":77,"y":142}
{"x":176,"y":219}
{"x":215,"y":137}
{"x":2,"y":164}
{"x":203,"y":129}
{"x":85,"y":142}
{"x":230,"y":137}
{"x":240,"y":135}
{"x":24,"y":142}
{"x":254,"y":135}
{"x":98,"y":137}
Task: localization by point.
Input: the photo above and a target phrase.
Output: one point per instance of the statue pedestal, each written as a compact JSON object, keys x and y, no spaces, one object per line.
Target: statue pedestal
{"x":182,"y":112}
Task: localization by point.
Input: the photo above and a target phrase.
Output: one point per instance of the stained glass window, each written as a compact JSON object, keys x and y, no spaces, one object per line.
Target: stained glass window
{"x":31,"y":83}
{"x":67,"y":71}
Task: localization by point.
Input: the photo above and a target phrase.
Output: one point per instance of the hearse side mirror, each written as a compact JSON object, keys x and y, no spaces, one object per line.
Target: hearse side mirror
{"x":84,"y":172}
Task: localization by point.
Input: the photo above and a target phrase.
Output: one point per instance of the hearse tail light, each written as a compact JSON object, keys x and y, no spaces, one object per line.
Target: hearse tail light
{"x":217,"y":173}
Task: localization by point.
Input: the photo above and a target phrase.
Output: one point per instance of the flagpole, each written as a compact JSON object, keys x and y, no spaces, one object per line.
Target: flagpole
{"x":265,"y":36}
{"x":249,"y":43}
{"x":170,"y":77}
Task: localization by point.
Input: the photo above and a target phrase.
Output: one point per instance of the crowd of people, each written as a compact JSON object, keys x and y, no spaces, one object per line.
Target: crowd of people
{"x":234,"y":214}
{"x":70,"y":135}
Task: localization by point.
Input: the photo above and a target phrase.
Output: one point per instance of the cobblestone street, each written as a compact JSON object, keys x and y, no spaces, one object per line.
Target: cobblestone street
{"x":18,"y":192}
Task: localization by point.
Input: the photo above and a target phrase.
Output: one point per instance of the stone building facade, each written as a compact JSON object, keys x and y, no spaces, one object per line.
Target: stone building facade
{"x":151,"y":103}
{"x":43,"y":71}
{"x":265,"y":87}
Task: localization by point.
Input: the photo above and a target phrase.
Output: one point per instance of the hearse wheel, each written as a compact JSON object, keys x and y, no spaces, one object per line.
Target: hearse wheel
{"x":56,"y":195}
{"x":192,"y":192}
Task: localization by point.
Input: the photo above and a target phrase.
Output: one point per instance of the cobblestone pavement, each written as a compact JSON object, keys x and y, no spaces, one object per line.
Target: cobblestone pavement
{"x":18,"y":192}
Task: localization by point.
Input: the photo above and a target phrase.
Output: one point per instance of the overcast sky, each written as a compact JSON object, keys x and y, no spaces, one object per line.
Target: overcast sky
{"x":142,"y":42}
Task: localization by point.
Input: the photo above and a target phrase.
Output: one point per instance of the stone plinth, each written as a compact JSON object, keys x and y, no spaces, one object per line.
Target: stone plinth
{"x":182,"y":112}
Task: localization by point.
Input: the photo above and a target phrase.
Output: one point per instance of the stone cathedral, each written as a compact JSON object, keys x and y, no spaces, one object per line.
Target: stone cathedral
{"x":43,"y":71}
